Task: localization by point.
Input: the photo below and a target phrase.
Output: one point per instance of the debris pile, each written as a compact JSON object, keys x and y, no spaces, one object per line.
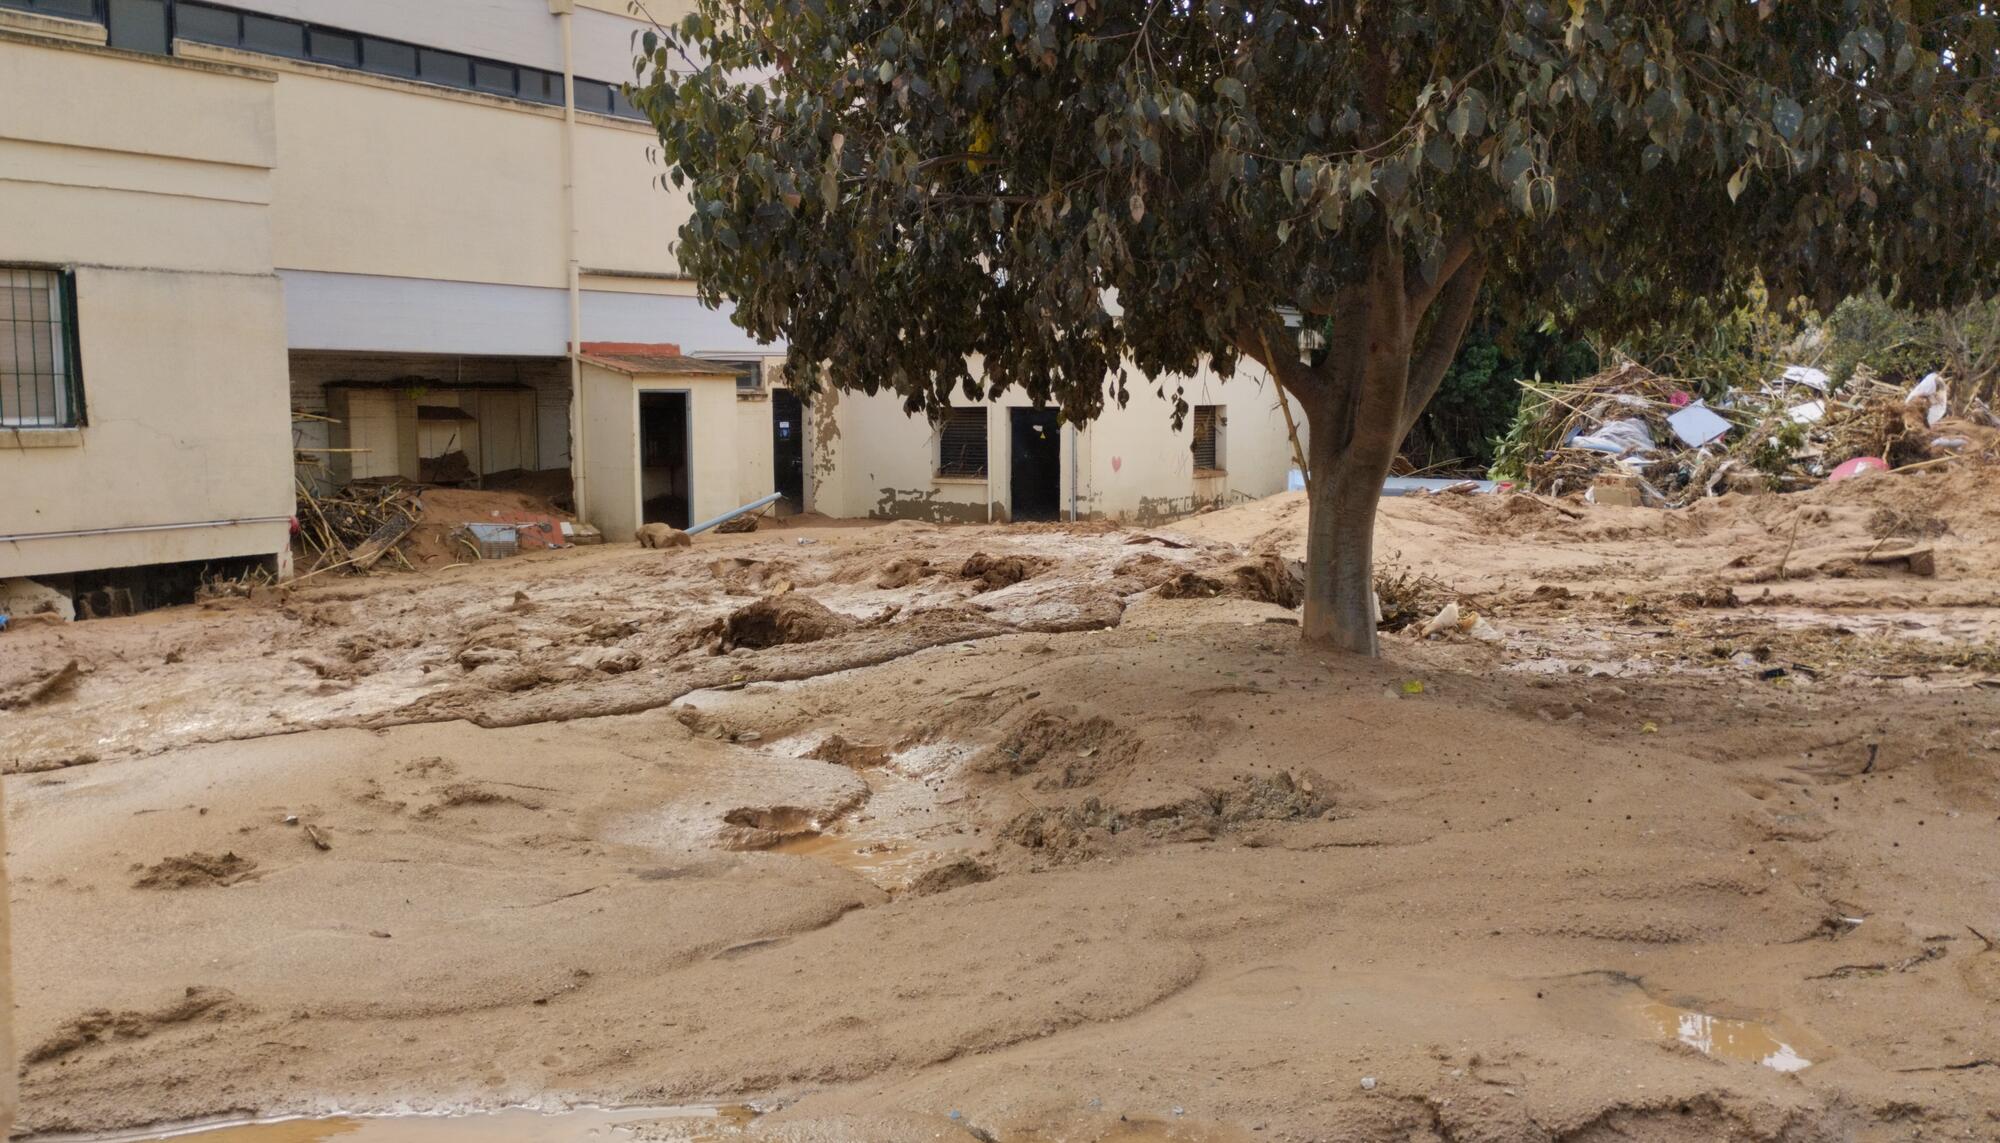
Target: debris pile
{"x":1628,"y":436}
{"x":357,"y":524}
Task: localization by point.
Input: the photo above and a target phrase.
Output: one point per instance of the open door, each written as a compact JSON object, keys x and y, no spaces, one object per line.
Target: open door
{"x":788,"y":448}
{"x":665,"y":477}
{"x":1035,"y":477}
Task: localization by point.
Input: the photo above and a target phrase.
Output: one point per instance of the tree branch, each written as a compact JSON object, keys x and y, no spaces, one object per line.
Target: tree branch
{"x":1458,"y":247}
{"x":1453,"y":315}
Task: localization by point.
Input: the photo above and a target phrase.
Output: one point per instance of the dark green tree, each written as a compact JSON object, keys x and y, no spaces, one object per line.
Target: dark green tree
{"x":930,"y":196}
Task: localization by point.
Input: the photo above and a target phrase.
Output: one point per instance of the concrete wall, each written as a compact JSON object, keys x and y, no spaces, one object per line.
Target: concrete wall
{"x":1131,"y":464}
{"x":150,"y":179}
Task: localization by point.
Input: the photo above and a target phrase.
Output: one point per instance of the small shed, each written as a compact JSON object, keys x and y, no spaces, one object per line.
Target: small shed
{"x":660,"y":436}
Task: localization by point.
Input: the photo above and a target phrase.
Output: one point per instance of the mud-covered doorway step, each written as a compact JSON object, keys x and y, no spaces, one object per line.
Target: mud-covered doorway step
{"x":665,"y":491}
{"x":1034,"y":482}
{"x":788,"y":448}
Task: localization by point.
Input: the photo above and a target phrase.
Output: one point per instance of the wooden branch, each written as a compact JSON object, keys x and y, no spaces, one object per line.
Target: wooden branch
{"x":1448,"y":325}
{"x":1458,"y":248}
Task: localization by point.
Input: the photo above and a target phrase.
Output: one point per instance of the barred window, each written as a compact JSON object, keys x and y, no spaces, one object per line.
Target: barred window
{"x":1207,"y":445}
{"x":962,"y":443}
{"x":39,"y":381}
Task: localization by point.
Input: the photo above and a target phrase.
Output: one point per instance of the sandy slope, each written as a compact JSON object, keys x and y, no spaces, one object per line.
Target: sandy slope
{"x":1050,"y":853}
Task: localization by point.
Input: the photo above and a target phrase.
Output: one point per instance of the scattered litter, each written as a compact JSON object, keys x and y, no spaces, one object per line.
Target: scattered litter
{"x":1367,"y":1083}
{"x":1859,"y":466}
{"x":1413,"y":687}
{"x":1698,"y":424}
{"x":318,"y":839}
{"x":1932,"y":394}
{"x":494,"y":541}
{"x":1445,"y":620}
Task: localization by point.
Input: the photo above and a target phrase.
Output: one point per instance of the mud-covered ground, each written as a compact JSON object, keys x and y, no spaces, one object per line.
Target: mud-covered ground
{"x":1048,"y":833}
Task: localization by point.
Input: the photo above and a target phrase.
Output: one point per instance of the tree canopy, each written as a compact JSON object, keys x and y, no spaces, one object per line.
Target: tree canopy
{"x":962,"y":196}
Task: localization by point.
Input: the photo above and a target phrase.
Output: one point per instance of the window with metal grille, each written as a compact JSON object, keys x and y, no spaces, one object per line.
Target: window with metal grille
{"x":40,"y":386}
{"x":962,"y":443}
{"x":1207,"y":445}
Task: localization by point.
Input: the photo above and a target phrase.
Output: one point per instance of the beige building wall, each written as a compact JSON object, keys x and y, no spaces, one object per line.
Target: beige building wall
{"x":717,"y":462}
{"x":149,"y":179}
{"x":1131,"y":464}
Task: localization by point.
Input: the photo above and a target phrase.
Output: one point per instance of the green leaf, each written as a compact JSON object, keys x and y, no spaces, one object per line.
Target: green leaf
{"x":1786,"y":116}
{"x":1737,"y":182}
{"x":1651,"y":157}
{"x":1137,"y":205}
{"x":1438,"y":153}
{"x":1906,"y":58}
{"x":1284,"y":230}
{"x":1230,"y":88}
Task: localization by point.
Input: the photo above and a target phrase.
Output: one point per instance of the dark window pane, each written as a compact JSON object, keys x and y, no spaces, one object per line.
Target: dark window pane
{"x":388,"y":57}
{"x":74,"y":9}
{"x":496,"y":78}
{"x":622,"y":106}
{"x":138,"y":25}
{"x":336,"y":48}
{"x":541,"y":87}
{"x":278,"y":37}
{"x":208,"y":25}
{"x":593,"y":96}
{"x":444,"y":67}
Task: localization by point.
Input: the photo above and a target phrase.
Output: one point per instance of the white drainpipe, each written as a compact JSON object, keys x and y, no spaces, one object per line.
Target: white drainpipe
{"x":580,"y":489}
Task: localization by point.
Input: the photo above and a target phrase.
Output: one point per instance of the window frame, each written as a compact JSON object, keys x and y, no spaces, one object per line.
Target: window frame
{"x":941,"y":469}
{"x":524,"y":83}
{"x":69,"y":378}
{"x":94,"y":16}
{"x":1217,"y":419}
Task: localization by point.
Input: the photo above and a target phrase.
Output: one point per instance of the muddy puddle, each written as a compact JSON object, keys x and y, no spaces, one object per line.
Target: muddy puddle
{"x":515,"y":1125}
{"x":1773,"y":1045}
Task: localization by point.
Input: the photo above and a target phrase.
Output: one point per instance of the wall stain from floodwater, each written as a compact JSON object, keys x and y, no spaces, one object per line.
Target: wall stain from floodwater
{"x":924,"y":504}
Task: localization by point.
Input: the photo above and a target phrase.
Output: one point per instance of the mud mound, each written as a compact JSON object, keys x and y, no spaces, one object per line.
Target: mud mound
{"x":843,"y":751}
{"x":1270,"y":578}
{"x":906,"y":571}
{"x":1276,"y":797}
{"x":102,"y":1024}
{"x":461,"y":794}
{"x":1066,"y":834}
{"x":761,"y":827}
{"x":778,"y":620}
{"x":951,"y":875}
{"x":740,"y":574}
{"x":195,"y":871}
{"x":1082,"y":748}
{"x":47,"y":687}
{"x":990,"y":573}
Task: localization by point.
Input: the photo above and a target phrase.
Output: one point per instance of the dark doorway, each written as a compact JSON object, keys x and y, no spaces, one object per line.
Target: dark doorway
{"x":664,"y":488}
{"x":788,"y":448}
{"x":1035,"y":465}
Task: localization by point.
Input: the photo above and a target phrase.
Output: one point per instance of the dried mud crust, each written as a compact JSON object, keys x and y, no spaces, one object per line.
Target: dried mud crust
{"x":200,"y":1004}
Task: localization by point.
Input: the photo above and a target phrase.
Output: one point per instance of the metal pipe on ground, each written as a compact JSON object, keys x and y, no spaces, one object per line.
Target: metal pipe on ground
{"x":733,"y":513}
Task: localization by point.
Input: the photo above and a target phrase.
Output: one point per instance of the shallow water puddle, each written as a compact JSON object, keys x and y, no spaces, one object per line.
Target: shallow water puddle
{"x":1743,"y":1041}
{"x":884,"y":862}
{"x":515,"y":1125}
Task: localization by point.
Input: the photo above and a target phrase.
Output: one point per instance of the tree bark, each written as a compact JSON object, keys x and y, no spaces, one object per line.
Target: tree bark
{"x":1354,"y":439}
{"x":1342,"y":492}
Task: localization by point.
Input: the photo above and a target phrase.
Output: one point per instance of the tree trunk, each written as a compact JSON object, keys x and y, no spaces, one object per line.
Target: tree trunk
{"x":1342,"y":491}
